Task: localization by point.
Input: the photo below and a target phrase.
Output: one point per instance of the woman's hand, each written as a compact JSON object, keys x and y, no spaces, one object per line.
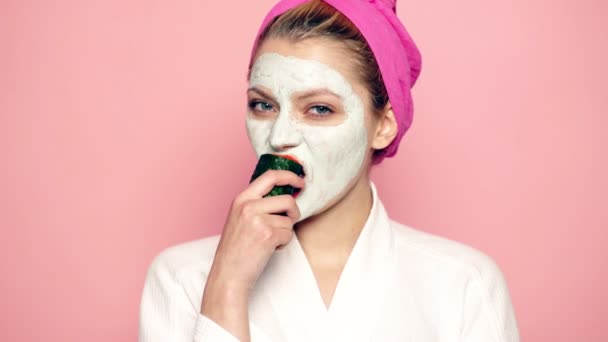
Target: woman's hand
{"x":253,"y":229}
{"x":252,"y":232}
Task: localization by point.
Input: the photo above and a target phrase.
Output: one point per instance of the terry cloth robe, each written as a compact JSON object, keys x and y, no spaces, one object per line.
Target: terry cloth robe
{"x":398,"y":284}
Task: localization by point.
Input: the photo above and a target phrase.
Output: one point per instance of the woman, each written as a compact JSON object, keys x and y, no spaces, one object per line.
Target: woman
{"x":329,"y":85}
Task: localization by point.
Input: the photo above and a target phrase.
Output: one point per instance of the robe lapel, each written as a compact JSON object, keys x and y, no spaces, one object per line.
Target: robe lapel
{"x":286,"y":297}
{"x":296,"y":306}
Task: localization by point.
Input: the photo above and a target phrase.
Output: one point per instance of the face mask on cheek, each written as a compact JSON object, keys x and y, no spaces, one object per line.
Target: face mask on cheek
{"x":331,"y":155}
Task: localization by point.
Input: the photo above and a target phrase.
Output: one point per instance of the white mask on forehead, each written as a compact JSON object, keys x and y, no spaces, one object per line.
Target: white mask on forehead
{"x":331,"y":155}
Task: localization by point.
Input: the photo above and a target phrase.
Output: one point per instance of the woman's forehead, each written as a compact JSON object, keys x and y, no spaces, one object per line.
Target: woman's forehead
{"x":326,"y":51}
{"x":312,"y":62}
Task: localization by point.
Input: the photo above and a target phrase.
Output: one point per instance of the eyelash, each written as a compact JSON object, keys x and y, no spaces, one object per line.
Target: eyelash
{"x":329,"y":111}
{"x":254,"y":103}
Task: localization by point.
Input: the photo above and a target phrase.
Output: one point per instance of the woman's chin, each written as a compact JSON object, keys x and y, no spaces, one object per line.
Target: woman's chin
{"x":307,"y":203}
{"x":312,"y":205}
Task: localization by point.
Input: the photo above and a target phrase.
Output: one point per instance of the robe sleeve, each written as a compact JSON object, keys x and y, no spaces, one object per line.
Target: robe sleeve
{"x":208,"y":330}
{"x":488,"y":312}
{"x":166,"y":313}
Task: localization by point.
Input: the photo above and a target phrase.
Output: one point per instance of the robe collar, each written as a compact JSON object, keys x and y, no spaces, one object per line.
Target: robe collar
{"x":296,"y":307}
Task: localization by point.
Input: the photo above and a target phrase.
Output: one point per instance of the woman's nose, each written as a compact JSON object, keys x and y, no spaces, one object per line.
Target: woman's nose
{"x":284,"y":134}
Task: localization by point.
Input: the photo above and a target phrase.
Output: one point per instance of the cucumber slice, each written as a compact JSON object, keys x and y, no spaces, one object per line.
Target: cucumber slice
{"x":274,"y":162}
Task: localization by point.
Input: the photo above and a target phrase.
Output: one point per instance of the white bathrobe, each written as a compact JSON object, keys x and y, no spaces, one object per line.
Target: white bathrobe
{"x":398,"y":284}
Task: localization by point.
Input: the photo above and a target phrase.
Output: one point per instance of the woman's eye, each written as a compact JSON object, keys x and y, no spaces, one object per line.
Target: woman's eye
{"x":321,"y":110}
{"x":260,"y":106}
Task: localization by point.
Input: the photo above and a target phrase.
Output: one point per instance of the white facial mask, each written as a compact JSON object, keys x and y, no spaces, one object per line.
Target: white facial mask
{"x":331,"y":155}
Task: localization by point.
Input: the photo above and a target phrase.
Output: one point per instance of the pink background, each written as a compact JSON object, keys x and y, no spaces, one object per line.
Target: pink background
{"x":122,"y":133}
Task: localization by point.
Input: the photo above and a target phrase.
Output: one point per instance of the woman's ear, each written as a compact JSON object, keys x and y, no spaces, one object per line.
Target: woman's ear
{"x":386,"y":128}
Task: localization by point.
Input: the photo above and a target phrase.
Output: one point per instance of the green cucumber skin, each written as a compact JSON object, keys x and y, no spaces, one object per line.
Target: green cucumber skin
{"x":281,"y":190}
{"x":272,"y":162}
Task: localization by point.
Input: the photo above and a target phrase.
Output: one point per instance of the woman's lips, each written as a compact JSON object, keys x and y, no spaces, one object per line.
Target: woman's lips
{"x":289,"y":156}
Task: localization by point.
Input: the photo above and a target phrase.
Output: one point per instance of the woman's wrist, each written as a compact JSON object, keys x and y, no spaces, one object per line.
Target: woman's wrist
{"x":228,"y":306}
{"x":224,"y":293}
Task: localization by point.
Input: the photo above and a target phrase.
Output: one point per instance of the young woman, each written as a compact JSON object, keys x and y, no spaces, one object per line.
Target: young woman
{"x":329,"y":85}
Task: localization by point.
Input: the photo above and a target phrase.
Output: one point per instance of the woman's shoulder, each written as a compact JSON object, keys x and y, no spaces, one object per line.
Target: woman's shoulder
{"x":194,"y":255}
{"x":442,"y":253}
{"x":457,"y":280}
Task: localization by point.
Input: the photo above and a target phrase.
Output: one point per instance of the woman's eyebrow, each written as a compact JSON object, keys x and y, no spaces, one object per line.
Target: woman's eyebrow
{"x":261,"y":92}
{"x":315,"y":92}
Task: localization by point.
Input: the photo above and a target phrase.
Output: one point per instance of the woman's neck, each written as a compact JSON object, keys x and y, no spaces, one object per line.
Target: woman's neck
{"x":328,"y":238}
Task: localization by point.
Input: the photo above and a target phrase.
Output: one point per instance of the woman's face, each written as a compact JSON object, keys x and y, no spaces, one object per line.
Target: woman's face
{"x":306,"y":102}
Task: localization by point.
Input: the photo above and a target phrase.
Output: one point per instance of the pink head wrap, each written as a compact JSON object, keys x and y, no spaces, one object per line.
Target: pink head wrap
{"x":395,"y":51}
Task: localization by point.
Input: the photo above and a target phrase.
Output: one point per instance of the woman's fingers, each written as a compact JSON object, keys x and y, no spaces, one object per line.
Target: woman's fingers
{"x":283,"y":237}
{"x":268,"y":180}
{"x":278,"y":221}
{"x":275,"y":205}
{"x":282,"y":229}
